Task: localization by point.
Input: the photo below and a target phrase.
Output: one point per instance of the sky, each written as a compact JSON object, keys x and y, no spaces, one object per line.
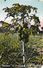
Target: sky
{"x":8,"y":3}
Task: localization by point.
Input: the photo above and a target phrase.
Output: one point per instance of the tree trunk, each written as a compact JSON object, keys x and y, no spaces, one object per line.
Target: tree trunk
{"x":23,"y":53}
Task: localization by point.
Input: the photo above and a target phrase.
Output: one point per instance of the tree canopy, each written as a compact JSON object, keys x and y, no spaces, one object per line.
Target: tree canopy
{"x":22,"y":19}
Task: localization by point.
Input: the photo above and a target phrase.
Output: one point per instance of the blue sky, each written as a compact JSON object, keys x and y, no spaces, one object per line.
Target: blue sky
{"x":9,"y":3}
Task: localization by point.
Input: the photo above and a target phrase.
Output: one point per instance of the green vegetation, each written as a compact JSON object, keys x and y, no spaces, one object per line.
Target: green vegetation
{"x":11,"y":51}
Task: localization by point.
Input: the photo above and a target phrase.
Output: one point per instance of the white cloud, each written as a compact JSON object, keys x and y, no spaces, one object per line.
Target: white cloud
{"x":32,"y":22}
{"x":42,"y":66}
{"x":41,"y":0}
{"x":40,"y":28}
{"x":8,"y":20}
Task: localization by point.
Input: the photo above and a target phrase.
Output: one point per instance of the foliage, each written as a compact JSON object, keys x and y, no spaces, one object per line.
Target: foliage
{"x":8,"y":45}
{"x":23,"y":29}
{"x":22,"y":14}
{"x":11,"y":52}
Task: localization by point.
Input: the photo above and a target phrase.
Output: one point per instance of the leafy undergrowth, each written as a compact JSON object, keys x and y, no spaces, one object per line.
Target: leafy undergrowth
{"x":11,"y":51}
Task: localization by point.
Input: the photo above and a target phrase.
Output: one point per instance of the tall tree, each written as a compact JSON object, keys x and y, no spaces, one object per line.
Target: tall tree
{"x":25,"y":22}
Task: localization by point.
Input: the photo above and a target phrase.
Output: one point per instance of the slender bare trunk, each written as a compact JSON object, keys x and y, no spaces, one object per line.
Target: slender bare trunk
{"x":23,"y":54}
